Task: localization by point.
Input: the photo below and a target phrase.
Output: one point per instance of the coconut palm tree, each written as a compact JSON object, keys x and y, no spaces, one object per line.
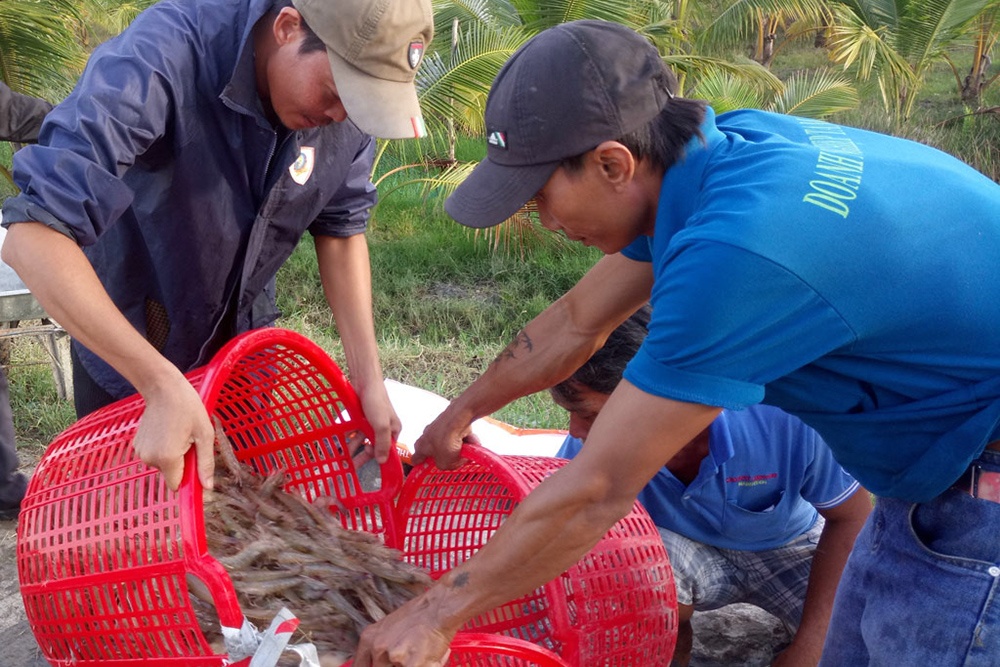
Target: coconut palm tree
{"x":103,"y":19}
{"x":39,"y":51}
{"x":986,"y":31}
{"x":809,"y":94}
{"x":769,"y":25}
{"x":44,"y":44}
{"x":895,"y":42}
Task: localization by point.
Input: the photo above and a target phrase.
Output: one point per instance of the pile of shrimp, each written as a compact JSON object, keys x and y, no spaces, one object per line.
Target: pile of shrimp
{"x":282,"y":551}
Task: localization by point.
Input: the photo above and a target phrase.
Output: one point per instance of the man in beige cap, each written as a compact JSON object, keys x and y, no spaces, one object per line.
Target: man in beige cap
{"x":166,"y":191}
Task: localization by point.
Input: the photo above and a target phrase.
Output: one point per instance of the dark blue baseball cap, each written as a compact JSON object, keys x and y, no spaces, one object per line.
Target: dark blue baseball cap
{"x":561,"y":94}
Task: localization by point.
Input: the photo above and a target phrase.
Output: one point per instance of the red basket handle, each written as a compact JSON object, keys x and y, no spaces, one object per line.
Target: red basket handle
{"x":486,"y":643}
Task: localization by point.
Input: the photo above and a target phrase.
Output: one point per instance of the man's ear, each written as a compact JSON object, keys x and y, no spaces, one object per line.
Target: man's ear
{"x":287,"y":26}
{"x":616,"y":162}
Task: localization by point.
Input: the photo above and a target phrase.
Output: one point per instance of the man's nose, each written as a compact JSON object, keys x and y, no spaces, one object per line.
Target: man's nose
{"x":545,"y":219}
{"x":337,"y":112}
{"x":579,"y":428}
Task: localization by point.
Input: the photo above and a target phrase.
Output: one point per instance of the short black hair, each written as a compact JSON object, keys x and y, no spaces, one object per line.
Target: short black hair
{"x":312,"y":42}
{"x":603,"y":371}
{"x":662,"y":140}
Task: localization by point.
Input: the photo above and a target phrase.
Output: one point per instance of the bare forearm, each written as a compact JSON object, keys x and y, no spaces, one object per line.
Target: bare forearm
{"x":842,"y":526}
{"x":549,"y":532}
{"x":64,"y":283}
{"x":346,"y":276}
{"x":560,"y":339}
{"x":542,"y":354}
{"x":568,"y":513}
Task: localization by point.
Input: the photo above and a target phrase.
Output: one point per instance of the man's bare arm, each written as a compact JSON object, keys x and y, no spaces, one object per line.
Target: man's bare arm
{"x":843,"y":523}
{"x":345,"y":271}
{"x":548,"y":350}
{"x":62,"y":279}
{"x":633,"y":437}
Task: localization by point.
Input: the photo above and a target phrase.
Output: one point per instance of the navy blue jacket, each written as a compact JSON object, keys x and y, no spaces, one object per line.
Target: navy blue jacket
{"x":162,"y":166}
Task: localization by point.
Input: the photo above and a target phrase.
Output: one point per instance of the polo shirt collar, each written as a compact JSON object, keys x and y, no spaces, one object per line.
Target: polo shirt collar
{"x":678,"y":193}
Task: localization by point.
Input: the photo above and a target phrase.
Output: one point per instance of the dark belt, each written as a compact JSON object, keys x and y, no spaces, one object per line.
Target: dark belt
{"x":979,"y":483}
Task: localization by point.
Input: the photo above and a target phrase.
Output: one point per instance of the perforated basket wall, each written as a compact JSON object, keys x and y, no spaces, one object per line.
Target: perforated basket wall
{"x":617,"y":607}
{"x":480,"y":649}
{"x":104,"y":548}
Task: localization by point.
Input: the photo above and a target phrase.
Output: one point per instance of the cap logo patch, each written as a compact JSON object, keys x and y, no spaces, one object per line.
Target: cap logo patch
{"x":415,"y":53}
{"x":498,"y":139}
{"x":302,"y":168}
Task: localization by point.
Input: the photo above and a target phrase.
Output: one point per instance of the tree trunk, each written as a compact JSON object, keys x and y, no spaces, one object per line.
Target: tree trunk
{"x":765,"y":40}
{"x":822,"y":34}
{"x":972,"y":87}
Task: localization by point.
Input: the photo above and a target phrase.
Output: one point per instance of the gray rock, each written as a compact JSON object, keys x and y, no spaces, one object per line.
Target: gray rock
{"x":738,"y":635}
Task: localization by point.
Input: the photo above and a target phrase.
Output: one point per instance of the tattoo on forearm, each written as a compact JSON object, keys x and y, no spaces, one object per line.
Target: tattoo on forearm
{"x":521,"y":341}
{"x":461,"y":580}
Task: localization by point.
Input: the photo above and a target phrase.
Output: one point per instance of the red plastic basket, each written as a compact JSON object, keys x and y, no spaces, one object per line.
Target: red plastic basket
{"x":481,"y":649}
{"x":104,"y":548}
{"x":616,"y":607}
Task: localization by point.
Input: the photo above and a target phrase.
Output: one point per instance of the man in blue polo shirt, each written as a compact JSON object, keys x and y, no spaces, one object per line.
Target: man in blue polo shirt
{"x":738,"y":507}
{"x":847,"y":277}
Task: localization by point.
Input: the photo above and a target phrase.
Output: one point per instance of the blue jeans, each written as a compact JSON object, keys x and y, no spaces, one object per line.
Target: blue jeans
{"x":922,"y":586}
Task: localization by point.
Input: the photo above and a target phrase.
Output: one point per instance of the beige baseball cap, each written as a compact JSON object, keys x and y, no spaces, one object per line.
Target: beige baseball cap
{"x":375,"y":47}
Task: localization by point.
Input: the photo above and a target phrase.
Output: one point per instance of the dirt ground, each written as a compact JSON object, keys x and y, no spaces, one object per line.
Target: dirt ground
{"x":17,"y":644}
{"x":18,"y":647}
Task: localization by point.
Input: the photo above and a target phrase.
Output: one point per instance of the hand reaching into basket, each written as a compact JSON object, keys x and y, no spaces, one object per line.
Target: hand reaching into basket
{"x":175,"y":420}
{"x":405,"y":638}
{"x":442,"y":440}
{"x":382,"y":416}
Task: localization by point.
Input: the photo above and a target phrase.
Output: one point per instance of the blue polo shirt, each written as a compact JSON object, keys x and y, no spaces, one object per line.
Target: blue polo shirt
{"x":848,"y":277}
{"x":765,"y":476}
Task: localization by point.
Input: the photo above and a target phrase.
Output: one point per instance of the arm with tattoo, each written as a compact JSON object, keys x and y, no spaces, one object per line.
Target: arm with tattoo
{"x":545,"y":352}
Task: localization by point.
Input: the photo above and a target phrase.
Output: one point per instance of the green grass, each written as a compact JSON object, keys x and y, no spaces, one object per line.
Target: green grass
{"x":39,"y":414}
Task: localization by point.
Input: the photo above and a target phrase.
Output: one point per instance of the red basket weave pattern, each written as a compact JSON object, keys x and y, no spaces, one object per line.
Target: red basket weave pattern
{"x":104,"y":548}
{"x":481,"y":649}
{"x":616,"y":607}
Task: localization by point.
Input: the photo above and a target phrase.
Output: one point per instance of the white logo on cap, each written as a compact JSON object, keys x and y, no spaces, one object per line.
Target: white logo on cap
{"x":302,"y":168}
{"x":498,"y":139}
{"x":415,"y":54}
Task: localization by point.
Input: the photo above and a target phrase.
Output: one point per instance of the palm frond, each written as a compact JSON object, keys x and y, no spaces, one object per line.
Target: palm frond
{"x":875,"y":13}
{"x":520,"y":232}
{"x":817,"y":95}
{"x":39,"y":52}
{"x":931,"y":26}
{"x":492,"y":13}
{"x":854,"y":43}
{"x":724,"y":92}
{"x":444,"y":183}
{"x":738,"y":21}
{"x":458,"y":89}
{"x":700,"y":67}
{"x":121,"y":14}
{"x":541,"y":14}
